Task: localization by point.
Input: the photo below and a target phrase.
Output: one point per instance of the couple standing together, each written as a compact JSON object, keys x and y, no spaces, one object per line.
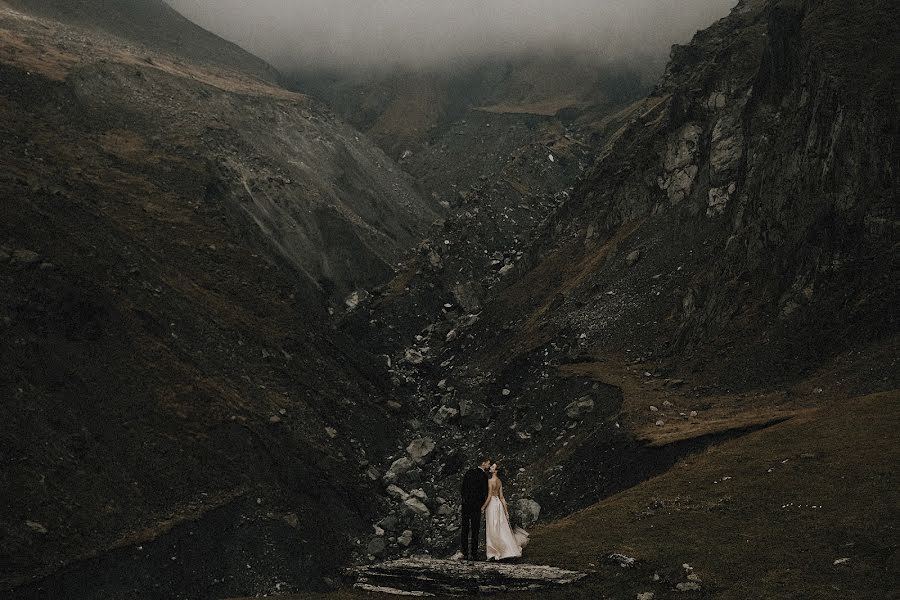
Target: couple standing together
{"x":482,"y":492}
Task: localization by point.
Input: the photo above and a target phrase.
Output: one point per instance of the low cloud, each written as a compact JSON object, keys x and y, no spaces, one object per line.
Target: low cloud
{"x":361,"y":34}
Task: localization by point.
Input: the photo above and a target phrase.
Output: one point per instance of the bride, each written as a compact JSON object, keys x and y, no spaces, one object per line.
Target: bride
{"x":502,"y":542}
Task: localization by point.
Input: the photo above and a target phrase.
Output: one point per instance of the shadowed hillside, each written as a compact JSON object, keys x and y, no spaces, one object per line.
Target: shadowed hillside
{"x":174,"y":228}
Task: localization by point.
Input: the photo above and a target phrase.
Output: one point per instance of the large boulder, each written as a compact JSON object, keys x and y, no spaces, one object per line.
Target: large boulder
{"x":396,"y":491}
{"x":398,"y":468}
{"x":527,"y":511}
{"x":417,"y":507}
{"x":421,"y":449}
{"x":444,"y":414}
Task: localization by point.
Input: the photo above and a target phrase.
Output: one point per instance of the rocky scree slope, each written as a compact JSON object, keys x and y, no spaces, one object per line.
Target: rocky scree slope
{"x":179,"y":420}
{"x":735,"y":237}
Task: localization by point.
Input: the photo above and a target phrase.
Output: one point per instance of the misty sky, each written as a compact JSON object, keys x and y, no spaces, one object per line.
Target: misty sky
{"x":379,"y":33}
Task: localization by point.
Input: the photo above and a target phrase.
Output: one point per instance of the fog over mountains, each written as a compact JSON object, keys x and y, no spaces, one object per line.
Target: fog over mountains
{"x":437,"y":33}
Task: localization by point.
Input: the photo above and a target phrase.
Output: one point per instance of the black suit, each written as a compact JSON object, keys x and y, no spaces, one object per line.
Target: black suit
{"x":474,"y":492}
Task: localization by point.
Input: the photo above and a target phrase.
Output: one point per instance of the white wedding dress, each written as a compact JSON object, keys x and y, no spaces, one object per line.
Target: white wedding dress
{"x":502,"y":541}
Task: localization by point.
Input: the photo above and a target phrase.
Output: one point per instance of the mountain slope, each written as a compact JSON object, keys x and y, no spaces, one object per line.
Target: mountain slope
{"x":172,"y":231}
{"x":151,"y":24}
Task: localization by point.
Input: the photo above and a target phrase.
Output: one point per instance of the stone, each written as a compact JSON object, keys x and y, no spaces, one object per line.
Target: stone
{"x":373,"y":473}
{"x":660,"y":423}
{"x":36,"y":527}
{"x":331,"y":431}
{"x":274,"y":419}
{"x":444,"y":414}
{"x":414,"y":357}
{"x":633,"y":257}
{"x":421,"y":449}
{"x":397,"y":468}
{"x":688,"y":586}
{"x":417,"y":507}
{"x":580,"y":407}
{"x":394,"y":405}
{"x":653,"y":408}
{"x":445,"y":510}
{"x":527,"y":511}
{"x":405,"y":538}
{"x":452,"y":335}
{"x":419,"y":576}
{"x":506,"y":269}
{"x":353,"y":300}
{"x":420,"y":494}
{"x":395,"y":491}
{"x":716,"y":101}
{"x":646,"y":596}
{"x":679,"y":183}
{"x":376,"y":546}
{"x":622,"y":560}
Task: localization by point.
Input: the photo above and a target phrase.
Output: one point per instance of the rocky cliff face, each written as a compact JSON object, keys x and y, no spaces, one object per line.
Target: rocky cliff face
{"x":754,"y":192}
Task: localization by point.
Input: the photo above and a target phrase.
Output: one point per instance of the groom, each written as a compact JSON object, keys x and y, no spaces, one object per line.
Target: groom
{"x":474,"y":493}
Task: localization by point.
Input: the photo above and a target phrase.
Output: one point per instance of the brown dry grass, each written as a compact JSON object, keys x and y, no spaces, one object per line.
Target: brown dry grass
{"x":546,"y":107}
{"x":717,"y":413}
{"x":54,"y":50}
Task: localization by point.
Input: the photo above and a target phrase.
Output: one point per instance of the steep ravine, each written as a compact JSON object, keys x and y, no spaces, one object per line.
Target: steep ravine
{"x":732,"y":243}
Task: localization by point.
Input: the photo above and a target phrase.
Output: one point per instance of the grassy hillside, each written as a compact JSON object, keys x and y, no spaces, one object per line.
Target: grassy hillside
{"x":152,"y":24}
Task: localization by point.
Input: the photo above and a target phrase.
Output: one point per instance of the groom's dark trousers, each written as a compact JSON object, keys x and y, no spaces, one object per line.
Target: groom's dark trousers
{"x":471,"y":526}
{"x":474,"y":492}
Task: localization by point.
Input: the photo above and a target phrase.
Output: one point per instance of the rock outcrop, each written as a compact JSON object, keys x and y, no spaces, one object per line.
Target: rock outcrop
{"x":429,"y":576}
